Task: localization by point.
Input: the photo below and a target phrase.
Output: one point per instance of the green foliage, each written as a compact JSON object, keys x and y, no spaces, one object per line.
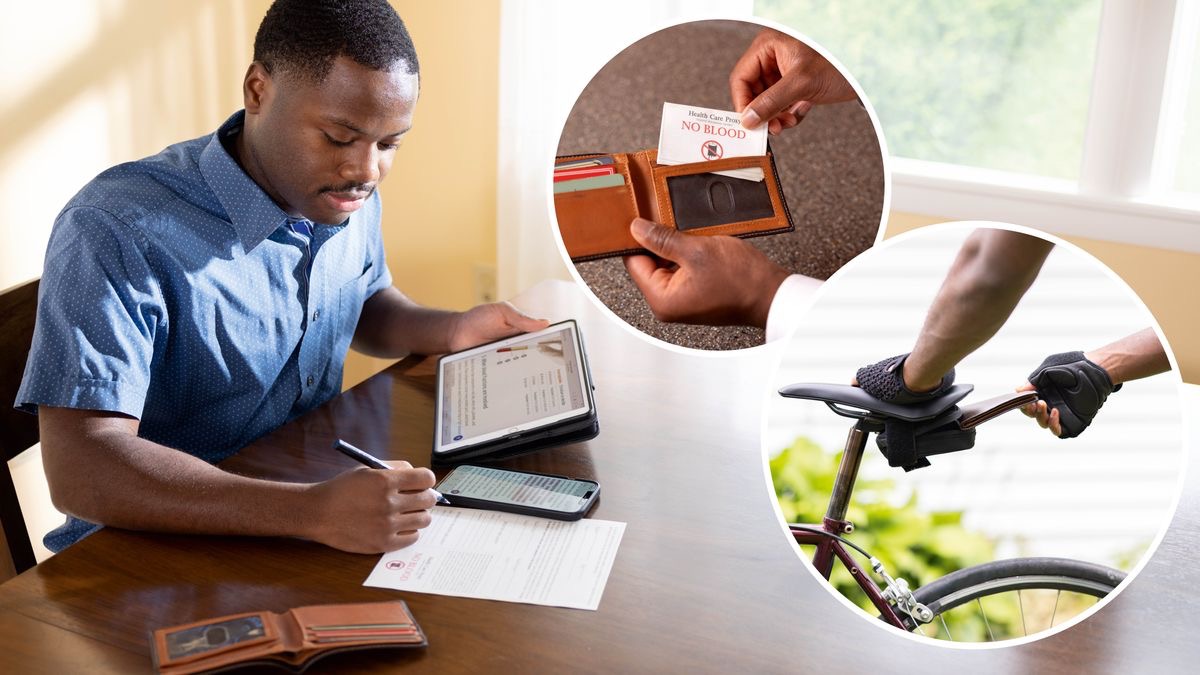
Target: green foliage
{"x":1001,"y":84}
{"x":913,"y":544}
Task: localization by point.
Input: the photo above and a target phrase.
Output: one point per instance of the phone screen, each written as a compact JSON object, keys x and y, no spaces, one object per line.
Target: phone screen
{"x":513,"y":487}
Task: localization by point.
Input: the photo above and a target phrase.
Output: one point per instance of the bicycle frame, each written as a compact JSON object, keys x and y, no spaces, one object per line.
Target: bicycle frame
{"x":826,"y":536}
{"x":829,"y":548}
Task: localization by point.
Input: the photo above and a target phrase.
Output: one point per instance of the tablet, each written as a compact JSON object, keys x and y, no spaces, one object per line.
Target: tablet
{"x":526,"y":388}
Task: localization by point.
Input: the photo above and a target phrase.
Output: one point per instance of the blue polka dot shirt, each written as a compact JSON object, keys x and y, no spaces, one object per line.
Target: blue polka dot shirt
{"x":177,"y":292}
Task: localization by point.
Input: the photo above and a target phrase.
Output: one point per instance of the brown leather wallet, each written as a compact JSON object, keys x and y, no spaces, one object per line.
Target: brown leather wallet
{"x":291,"y":640}
{"x":688,"y":197}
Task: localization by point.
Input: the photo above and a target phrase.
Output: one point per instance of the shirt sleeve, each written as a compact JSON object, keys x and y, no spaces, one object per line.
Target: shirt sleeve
{"x":100,"y":309}
{"x":790,"y":302}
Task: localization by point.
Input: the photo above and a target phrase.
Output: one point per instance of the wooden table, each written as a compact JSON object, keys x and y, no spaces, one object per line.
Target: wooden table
{"x":705,"y":579}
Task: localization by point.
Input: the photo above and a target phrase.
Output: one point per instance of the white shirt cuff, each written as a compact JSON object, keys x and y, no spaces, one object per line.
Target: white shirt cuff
{"x":790,"y":303}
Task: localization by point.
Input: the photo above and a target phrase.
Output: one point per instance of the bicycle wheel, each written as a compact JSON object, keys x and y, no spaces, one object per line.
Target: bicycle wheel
{"x":1024,"y":596}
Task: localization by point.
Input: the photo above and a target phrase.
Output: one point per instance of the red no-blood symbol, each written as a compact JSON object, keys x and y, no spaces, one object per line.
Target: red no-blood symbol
{"x":395,"y":565}
{"x":711,"y":150}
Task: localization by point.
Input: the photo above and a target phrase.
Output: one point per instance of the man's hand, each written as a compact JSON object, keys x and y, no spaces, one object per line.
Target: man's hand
{"x":716,"y":281}
{"x":1047,"y":417}
{"x":487,"y":323}
{"x":100,"y":470}
{"x":779,"y":79}
{"x":371,"y":510}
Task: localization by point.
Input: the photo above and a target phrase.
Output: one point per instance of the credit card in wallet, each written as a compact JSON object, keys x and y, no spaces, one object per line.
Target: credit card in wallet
{"x":593,"y":183}
{"x":582,"y":172}
{"x":576,"y":163}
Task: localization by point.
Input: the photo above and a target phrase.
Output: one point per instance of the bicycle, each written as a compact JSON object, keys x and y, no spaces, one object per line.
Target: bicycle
{"x":897,"y":604}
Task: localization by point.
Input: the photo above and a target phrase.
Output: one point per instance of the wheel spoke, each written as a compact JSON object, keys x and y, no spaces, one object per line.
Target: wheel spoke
{"x":945,"y":627}
{"x":1021,"y":606}
{"x":1055,"y":612}
{"x":986,"y":623}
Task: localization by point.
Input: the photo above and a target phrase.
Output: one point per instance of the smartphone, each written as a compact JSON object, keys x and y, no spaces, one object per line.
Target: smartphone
{"x":527,"y":493}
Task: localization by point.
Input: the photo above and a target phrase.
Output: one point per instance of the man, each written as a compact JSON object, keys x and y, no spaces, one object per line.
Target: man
{"x":195,"y":300}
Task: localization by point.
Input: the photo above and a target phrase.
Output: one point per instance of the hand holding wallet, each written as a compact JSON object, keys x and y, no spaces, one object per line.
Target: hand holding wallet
{"x":595,"y":223}
{"x":291,"y":640}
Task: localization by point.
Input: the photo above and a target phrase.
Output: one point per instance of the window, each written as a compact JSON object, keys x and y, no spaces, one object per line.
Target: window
{"x":1187,"y":170}
{"x":1080,"y":117}
{"x":977,"y":83}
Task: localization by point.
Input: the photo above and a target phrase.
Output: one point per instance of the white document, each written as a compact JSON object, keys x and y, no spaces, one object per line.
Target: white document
{"x":690,"y":134}
{"x":491,"y":555}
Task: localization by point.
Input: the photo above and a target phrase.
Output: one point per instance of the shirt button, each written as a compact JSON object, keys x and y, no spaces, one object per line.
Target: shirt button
{"x":310,"y":380}
{"x":316,"y":314}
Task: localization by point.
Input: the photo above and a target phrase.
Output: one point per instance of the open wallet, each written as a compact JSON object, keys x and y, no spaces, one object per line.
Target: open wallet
{"x":292,"y":640}
{"x":594,"y":223}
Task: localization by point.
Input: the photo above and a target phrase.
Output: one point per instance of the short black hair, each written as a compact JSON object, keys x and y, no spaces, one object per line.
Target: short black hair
{"x":303,"y":37}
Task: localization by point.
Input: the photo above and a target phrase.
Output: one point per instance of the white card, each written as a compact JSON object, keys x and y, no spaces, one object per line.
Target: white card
{"x":690,"y":134}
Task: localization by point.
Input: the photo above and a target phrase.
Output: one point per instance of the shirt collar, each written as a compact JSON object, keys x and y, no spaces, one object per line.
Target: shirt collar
{"x":253,"y":214}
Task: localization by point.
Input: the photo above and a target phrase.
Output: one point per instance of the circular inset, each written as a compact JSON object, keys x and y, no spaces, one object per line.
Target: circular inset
{"x":949,"y":513}
{"x":664,"y":133}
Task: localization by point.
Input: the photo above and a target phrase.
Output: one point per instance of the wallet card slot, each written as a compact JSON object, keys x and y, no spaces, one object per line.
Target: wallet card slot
{"x":693,"y":198}
{"x":213,"y":642}
{"x":760,"y":161}
{"x":707,"y":200}
{"x":596,"y":221}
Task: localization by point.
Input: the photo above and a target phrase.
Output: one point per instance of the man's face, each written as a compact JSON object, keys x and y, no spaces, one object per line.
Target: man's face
{"x":320,"y":149}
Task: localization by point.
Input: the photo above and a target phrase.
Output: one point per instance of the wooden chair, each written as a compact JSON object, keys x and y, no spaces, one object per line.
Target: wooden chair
{"x":18,"y":430}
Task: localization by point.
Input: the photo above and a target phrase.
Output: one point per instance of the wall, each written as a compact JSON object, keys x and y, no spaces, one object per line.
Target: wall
{"x":89,"y":85}
{"x":440,"y":199}
{"x":1163,"y":279}
{"x":113,"y":80}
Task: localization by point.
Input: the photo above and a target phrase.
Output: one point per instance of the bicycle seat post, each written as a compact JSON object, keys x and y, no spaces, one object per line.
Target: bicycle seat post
{"x":843,"y":485}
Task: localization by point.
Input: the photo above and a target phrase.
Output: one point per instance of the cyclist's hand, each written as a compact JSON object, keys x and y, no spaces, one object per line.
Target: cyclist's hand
{"x":1072,"y":387}
{"x":885,"y":381}
{"x":1047,"y":417}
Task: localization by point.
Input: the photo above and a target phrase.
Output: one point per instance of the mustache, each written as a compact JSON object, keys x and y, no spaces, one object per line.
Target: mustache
{"x":364,"y":188}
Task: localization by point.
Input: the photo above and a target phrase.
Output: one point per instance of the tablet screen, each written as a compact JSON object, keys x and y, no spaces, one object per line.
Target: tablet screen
{"x":506,"y":387}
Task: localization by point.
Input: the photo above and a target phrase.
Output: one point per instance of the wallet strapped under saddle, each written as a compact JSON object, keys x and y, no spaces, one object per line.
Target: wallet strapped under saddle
{"x":594,"y":223}
{"x":908,"y":444}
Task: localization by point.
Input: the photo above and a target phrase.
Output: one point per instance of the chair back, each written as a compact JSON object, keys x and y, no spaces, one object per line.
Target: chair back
{"x":18,"y":430}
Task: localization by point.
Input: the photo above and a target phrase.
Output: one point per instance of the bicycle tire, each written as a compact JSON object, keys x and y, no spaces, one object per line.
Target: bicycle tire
{"x":1005,"y":576}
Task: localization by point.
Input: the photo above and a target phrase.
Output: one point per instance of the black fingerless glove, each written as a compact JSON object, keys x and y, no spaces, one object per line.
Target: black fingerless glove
{"x":885,"y":381}
{"x":1074,"y":386}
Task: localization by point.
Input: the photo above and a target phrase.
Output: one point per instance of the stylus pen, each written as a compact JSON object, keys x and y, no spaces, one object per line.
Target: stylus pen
{"x":367,"y":459}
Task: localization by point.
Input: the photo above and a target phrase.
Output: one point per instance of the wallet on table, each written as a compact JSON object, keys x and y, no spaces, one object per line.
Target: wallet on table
{"x":688,"y":197}
{"x":291,"y":640}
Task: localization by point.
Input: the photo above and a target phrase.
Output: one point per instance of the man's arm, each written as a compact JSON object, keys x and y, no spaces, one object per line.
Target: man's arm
{"x":1130,"y":358}
{"x":101,"y":471}
{"x":991,"y":274}
{"x":391,"y":326}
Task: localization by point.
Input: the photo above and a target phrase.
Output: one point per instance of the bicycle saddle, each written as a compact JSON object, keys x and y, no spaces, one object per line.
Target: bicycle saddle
{"x":849,"y":401}
{"x":908,"y":434}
